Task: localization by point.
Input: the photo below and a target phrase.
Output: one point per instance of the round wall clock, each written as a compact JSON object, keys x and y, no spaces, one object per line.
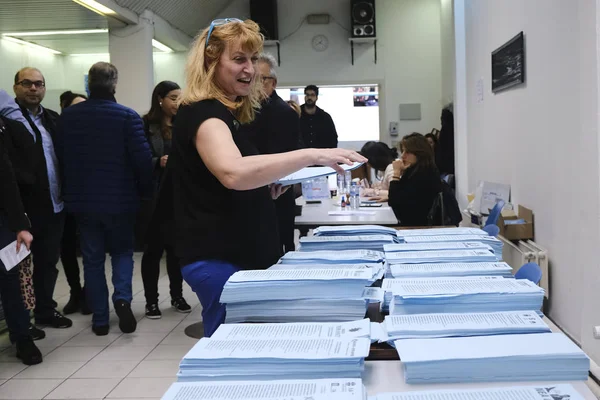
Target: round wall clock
{"x":320,"y":43}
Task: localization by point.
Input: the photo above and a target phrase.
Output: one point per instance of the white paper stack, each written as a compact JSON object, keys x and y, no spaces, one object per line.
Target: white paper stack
{"x":404,"y":233}
{"x":323,"y":330}
{"x":273,"y":359}
{"x":378,"y":268}
{"x":295,"y":295}
{"x":355,"y":230}
{"x":332,"y":257}
{"x":449,"y":269}
{"x":316,"y":389}
{"x":501,"y":358}
{"x":350,"y":242}
{"x":459,"y":325}
{"x":541,"y":392}
{"x":390,"y":285}
{"x":434,"y":246}
{"x":461,"y":296}
{"x":309,"y":173}
{"x":493,"y":242}
{"x":441,"y":256}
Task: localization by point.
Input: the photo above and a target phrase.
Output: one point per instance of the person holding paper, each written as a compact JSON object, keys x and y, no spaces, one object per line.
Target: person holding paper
{"x":416,"y":182}
{"x":223,"y":194}
{"x":14,"y":224}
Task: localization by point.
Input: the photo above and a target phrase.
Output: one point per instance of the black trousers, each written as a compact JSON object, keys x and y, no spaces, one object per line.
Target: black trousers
{"x":151,"y":271}
{"x":68,"y":254}
{"x":285,"y":208}
{"x":47,"y":233}
{"x":17,"y":317}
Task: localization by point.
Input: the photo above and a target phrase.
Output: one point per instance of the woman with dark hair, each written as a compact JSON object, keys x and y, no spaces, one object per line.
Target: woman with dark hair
{"x":432,"y":140}
{"x":380,"y":158}
{"x":158,"y":124}
{"x":415,"y":183}
{"x":68,"y":246}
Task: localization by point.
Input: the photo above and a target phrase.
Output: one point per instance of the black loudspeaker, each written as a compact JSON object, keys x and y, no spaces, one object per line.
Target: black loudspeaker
{"x":264,"y":13}
{"x":362,"y":18}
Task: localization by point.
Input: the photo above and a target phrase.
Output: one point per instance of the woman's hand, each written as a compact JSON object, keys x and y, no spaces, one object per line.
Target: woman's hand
{"x":399,"y":167}
{"x":24,"y":237}
{"x":380,"y":199}
{"x":163,"y":161}
{"x":277,"y":190}
{"x":333,"y":157}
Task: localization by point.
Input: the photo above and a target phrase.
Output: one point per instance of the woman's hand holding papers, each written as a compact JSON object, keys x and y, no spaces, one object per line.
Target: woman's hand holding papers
{"x":333,"y":157}
{"x":277,"y":190}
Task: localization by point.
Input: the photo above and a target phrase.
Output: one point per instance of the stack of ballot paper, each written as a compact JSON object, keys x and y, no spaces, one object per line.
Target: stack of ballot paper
{"x":448,"y":269}
{"x":272,"y":359}
{"x":390,"y":285}
{"x":434,"y":246}
{"x":322,"y":330}
{"x":493,"y":242}
{"x":540,"y":392}
{"x":355,"y":230}
{"x":315,"y":389}
{"x":378,"y":268}
{"x":441,"y":256}
{"x":296,"y":295}
{"x":468,"y":324}
{"x":353,"y":242}
{"x":404,"y":233}
{"x":501,"y":358}
{"x":332,"y":257}
{"x":438,"y":295}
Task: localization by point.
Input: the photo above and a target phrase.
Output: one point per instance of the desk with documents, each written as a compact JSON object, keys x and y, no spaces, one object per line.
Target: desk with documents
{"x":314,"y":215}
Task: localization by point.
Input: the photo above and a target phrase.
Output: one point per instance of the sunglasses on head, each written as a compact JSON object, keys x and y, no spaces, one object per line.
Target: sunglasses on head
{"x":219,"y":22}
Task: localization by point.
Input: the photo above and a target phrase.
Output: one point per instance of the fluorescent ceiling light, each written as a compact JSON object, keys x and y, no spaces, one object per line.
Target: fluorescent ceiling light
{"x":95,"y":7}
{"x":161,"y":47}
{"x":90,"y":55}
{"x":63,"y":32}
{"x":32,"y":45}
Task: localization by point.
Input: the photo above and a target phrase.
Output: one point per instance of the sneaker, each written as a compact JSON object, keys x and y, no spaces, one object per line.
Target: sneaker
{"x":57,"y":320}
{"x":74,"y":303}
{"x":180,"y":305}
{"x":36,"y":333}
{"x":127,"y":322}
{"x":28,"y":352}
{"x":100,"y":330}
{"x":152,"y":311}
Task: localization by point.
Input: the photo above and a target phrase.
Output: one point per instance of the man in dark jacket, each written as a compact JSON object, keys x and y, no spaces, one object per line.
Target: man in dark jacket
{"x":106,"y":167}
{"x":42,"y":200}
{"x":14,"y":224}
{"x":276,"y":129}
{"x":316,"y":126}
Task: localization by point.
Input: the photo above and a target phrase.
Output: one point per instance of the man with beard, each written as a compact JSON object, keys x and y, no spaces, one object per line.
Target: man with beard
{"x":316,"y":126}
{"x":276,"y":129}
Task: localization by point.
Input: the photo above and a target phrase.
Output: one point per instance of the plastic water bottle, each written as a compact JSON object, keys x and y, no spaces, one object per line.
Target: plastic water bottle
{"x":354,"y":197}
{"x":340,"y":184}
{"x":348,"y":181}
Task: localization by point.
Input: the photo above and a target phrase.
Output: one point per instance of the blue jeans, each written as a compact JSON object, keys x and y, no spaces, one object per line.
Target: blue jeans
{"x":207,"y":278}
{"x":99,"y":234}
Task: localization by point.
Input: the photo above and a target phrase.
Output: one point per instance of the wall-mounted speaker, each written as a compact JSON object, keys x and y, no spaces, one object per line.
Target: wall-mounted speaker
{"x":362,"y":18}
{"x":264,"y":13}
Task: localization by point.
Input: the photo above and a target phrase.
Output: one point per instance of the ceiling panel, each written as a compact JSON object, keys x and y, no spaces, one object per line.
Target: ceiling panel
{"x":188,"y":15}
{"x":72,"y":44}
{"x":20,"y":15}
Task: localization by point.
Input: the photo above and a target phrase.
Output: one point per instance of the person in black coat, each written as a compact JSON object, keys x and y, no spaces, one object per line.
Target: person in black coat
{"x":14,"y":225}
{"x":444,"y":149}
{"x":276,"y":129}
{"x":415,"y":183}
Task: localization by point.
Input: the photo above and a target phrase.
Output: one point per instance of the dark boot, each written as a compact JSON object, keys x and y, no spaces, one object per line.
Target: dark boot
{"x":28,"y":352}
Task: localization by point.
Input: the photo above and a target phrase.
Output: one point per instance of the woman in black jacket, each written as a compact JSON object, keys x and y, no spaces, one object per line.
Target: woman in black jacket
{"x":158,"y":124}
{"x":415,"y":183}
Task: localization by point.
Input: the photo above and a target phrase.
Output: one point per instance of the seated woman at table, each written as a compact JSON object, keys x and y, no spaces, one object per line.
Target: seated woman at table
{"x":223,"y":191}
{"x":415,"y":182}
{"x":380,"y":158}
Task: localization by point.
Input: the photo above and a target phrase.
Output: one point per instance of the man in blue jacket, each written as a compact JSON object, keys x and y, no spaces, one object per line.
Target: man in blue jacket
{"x":106,"y":167}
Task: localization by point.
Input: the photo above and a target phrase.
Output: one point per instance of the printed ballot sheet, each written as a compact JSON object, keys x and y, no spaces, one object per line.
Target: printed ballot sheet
{"x":10,"y":257}
{"x":309,"y":173}
{"x":548,"y":392}
{"x":300,"y":274}
{"x":433,"y":286}
{"x":350,"y":389}
{"x":399,"y":247}
{"x":354,"y":329}
{"x":363,"y":255}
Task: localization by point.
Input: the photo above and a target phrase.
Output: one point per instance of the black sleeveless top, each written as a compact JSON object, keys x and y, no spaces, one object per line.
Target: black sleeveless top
{"x":211,"y":221}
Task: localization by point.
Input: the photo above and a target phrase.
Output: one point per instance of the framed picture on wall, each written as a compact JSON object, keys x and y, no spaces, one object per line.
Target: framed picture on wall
{"x":508,"y":64}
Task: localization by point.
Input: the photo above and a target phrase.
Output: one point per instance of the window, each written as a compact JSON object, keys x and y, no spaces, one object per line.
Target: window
{"x":354,"y":109}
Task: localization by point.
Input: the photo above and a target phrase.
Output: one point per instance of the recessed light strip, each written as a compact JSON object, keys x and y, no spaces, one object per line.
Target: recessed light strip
{"x":32,"y":45}
{"x":58,"y":32}
{"x":161,"y":47}
{"x":95,"y":7}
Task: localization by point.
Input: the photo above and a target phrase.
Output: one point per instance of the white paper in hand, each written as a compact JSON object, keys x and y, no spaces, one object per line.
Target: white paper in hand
{"x":9,"y":256}
{"x":306,"y":174}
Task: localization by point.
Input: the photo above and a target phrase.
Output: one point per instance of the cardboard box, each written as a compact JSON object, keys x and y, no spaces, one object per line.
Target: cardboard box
{"x":519,"y":231}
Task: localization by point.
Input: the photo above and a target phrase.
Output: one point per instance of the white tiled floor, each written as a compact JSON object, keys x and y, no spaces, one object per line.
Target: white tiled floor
{"x":80,"y":365}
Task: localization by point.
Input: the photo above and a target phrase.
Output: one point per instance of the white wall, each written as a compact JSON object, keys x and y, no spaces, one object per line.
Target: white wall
{"x":447,"y":45}
{"x":542,"y":138}
{"x":408,"y":68}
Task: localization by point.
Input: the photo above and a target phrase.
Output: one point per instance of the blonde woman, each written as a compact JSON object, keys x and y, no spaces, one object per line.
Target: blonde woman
{"x":224,"y":214}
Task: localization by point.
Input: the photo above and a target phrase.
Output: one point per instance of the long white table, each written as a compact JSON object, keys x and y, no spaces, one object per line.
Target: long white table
{"x":314,"y":215}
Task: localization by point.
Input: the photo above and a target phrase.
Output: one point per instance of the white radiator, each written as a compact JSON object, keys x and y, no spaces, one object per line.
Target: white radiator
{"x":523,"y":253}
